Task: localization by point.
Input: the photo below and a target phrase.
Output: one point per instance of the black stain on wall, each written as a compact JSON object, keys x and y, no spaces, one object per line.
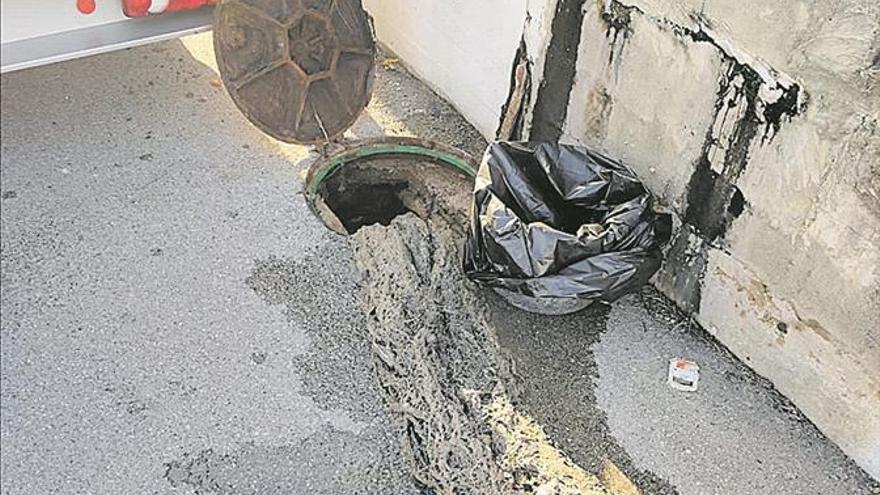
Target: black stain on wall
{"x":714,"y":199}
{"x":737,"y":203}
{"x":791,"y":100}
{"x":618,"y":22}
{"x":787,"y":105}
{"x":551,"y":102}
{"x":709,"y":192}
{"x":684,"y":268}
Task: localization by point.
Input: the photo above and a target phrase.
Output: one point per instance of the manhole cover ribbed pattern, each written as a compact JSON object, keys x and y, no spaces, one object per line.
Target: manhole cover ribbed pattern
{"x":300,"y":70}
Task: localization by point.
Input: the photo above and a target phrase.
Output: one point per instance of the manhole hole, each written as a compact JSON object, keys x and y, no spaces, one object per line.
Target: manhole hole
{"x":374,"y":181}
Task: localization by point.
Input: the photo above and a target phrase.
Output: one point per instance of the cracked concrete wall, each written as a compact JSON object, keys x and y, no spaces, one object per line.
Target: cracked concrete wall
{"x":755,"y":123}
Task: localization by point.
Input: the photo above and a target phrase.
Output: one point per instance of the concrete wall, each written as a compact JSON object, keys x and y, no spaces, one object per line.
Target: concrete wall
{"x":755,"y":122}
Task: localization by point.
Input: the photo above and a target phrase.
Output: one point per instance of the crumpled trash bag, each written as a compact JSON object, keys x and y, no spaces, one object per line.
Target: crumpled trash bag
{"x":558,"y":221}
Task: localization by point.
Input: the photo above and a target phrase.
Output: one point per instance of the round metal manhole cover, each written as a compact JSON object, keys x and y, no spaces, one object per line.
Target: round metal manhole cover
{"x":300,"y":70}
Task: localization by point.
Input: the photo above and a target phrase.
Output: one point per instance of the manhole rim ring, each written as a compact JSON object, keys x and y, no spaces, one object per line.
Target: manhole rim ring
{"x":383,"y":147}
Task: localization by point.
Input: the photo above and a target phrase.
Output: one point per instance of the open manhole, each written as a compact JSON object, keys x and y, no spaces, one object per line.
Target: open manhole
{"x":376,"y":180}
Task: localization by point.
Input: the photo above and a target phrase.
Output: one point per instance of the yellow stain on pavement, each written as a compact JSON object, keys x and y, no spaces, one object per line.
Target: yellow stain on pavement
{"x":534,"y":461}
{"x":201,"y":47}
{"x":617,"y":482}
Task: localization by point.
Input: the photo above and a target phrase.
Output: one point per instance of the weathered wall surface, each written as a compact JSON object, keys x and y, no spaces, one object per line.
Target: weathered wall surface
{"x":755,"y":122}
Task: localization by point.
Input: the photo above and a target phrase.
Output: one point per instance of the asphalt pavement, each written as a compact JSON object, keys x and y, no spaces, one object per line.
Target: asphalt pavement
{"x":138,"y":207}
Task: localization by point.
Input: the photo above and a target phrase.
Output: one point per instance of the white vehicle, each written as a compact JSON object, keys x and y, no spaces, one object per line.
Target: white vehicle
{"x":38,"y":32}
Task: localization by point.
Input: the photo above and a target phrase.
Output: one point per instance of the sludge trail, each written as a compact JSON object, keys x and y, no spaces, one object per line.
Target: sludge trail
{"x":440,"y":368}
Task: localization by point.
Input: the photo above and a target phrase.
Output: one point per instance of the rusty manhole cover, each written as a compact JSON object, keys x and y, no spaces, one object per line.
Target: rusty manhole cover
{"x":300,"y":70}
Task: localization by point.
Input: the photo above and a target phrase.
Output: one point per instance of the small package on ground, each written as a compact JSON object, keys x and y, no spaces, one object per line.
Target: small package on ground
{"x":559,"y":221}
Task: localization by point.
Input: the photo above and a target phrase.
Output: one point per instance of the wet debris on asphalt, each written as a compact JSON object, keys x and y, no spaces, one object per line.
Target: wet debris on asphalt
{"x":441,"y":370}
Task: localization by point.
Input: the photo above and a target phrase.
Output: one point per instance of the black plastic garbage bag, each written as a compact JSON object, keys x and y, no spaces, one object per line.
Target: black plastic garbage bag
{"x":557,"y":221}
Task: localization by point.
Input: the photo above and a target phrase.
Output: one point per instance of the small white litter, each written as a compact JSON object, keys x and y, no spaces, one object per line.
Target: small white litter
{"x":683,"y":375}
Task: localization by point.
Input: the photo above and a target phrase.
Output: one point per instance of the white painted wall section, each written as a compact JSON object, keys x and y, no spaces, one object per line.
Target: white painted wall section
{"x":463,"y":48}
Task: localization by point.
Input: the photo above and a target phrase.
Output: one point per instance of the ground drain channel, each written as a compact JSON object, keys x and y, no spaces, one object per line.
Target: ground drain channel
{"x":404,"y":205}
